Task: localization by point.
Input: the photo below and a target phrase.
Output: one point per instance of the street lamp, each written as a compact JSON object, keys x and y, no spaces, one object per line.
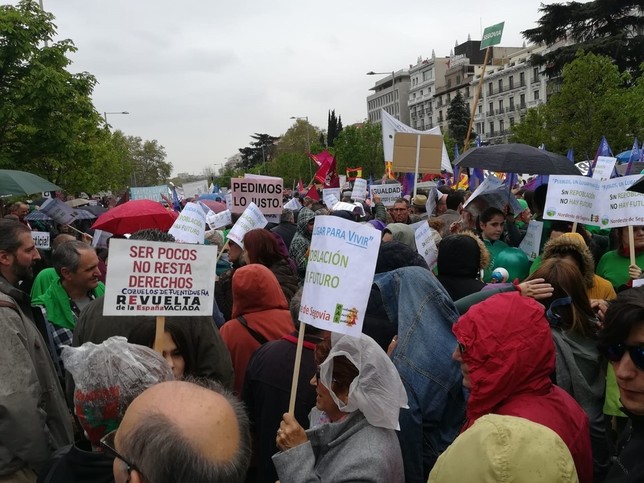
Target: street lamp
{"x":393,"y":91}
{"x":308,"y":140}
{"x":105,"y":114}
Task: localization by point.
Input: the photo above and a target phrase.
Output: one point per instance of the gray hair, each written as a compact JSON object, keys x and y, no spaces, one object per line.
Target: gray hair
{"x":162,"y":452}
{"x":287,"y":216}
{"x":67,"y":255}
{"x":152,"y":234}
{"x":10,"y":231}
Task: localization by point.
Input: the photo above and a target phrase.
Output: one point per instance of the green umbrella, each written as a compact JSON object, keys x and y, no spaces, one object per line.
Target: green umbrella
{"x":22,"y":183}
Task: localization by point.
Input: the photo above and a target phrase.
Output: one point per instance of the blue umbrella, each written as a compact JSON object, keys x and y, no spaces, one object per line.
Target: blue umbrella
{"x":624,"y":157}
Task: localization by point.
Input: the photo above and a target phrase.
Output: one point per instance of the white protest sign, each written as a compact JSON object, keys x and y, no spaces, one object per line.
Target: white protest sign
{"x":293,"y":204}
{"x":156,"y":278}
{"x":273,"y":218}
{"x":262,"y":176}
{"x":532,"y":239}
{"x":265,"y":193}
{"x":618,"y":206}
{"x":190,"y":226}
{"x":249,"y":220}
{"x":342,"y":180}
{"x":339,"y":274}
{"x":229,"y":199}
{"x":432,"y":200}
{"x":638,"y":282}
{"x":99,"y":240}
{"x":425,"y":244}
{"x":359,"y":191}
{"x":492,"y":192}
{"x":604,"y":167}
{"x":330,"y":200}
{"x":419,"y":224}
{"x":337,"y":192}
{"x":350,"y":207}
{"x":195,"y":188}
{"x":573,"y":198}
{"x":388,"y":193}
{"x":41,"y":239}
{"x":217,"y":220}
{"x":149,"y":192}
{"x":59,"y":211}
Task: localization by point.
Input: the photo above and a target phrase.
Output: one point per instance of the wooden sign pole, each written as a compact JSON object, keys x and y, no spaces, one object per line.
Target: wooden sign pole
{"x":296,"y":369}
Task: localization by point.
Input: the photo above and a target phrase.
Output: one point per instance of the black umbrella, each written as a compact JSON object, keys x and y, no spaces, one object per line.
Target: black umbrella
{"x":638,"y":186}
{"x":96,"y":210}
{"x":516,"y":158}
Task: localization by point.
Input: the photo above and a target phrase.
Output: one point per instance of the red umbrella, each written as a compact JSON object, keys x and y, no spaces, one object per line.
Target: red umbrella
{"x":135,"y":215}
{"x":215,"y":206}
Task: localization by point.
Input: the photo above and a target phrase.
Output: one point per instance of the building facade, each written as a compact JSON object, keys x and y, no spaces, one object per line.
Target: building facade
{"x":426,"y":76}
{"x":390,"y":96}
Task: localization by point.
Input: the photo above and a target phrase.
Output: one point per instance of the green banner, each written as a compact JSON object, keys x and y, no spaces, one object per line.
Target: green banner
{"x":492,"y":35}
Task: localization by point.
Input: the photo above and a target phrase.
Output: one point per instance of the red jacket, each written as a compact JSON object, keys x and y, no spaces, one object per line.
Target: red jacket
{"x":257,"y":296}
{"x":510,"y":355}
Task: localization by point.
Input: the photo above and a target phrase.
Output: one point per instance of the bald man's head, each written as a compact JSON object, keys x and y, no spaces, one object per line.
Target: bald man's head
{"x":180,"y":431}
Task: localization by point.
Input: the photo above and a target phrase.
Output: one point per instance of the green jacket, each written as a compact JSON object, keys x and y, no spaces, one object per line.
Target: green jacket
{"x":56,"y":302}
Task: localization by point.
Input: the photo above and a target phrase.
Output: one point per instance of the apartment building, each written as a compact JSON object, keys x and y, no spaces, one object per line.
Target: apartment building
{"x":426,"y":76}
{"x":391,"y":93}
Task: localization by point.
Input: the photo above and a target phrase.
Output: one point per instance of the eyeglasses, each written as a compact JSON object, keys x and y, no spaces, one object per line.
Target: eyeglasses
{"x":614,"y":353}
{"x":107,"y":443}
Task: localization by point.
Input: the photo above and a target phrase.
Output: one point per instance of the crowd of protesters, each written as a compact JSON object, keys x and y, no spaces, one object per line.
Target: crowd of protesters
{"x":484,"y":367}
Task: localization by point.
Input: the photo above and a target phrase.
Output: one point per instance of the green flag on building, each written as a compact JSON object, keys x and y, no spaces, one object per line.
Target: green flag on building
{"x":492,"y":35}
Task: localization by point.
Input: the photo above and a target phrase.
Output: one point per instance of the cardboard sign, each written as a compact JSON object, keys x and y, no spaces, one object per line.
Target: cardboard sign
{"x":249,"y":220}
{"x":149,"y":193}
{"x":604,"y":167}
{"x":59,"y":211}
{"x":339,"y":274}
{"x":573,"y":198}
{"x":155,"y":278}
{"x":388,"y":193}
{"x":532,"y":239}
{"x":217,"y":220}
{"x":359,"y":192}
{"x":195,"y":188}
{"x":190,"y":226}
{"x":42,"y":239}
{"x":425,"y":244}
{"x":406,"y":151}
{"x":492,"y":192}
{"x":264,"y":193}
{"x":492,"y":35}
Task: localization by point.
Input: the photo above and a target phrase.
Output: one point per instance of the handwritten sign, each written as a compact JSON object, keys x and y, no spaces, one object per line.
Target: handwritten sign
{"x":532,"y":239}
{"x":195,"y":188}
{"x":59,"y":211}
{"x":621,"y":207}
{"x":266,"y":194}
{"x":217,"y":220}
{"x":154,"y":278}
{"x":425,"y":244}
{"x":250,"y":219}
{"x":149,"y":193}
{"x":330,"y":199}
{"x":359,"y":192}
{"x":41,"y":239}
{"x":339,"y":274}
{"x":190,"y":226}
{"x":388,"y":193}
{"x":604,"y":167}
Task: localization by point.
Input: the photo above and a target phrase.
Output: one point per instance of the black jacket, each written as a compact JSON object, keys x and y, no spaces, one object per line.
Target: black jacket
{"x":628,"y":466}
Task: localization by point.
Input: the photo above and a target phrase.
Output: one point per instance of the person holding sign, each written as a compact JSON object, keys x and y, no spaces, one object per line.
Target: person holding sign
{"x":302,"y":240}
{"x":360,"y":392}
{"x":615,"y":265}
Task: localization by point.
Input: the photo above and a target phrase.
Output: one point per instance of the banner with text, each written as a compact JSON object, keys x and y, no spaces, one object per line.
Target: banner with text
{"x":59,"y":211}
{"x":359,"y":192}
{"x":388,"y":193}
{"x":190,"y":226}
{"x":41,"y":239}
{"x":249,"y":220}
{"x":339,"y":275}
{"x":149,"y":192}
{"x":195,"y":188}
{"x":155,"y":278}
{"x":217,"y":220}
{"x":265,"y":193}
{"x":532,"y":239}
{"x":604,"y":167}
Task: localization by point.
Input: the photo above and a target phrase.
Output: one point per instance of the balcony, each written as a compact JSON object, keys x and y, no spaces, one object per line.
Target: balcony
{"x":536,"y":80}
{"x":509,"y":109}
{"x":489,"y":113}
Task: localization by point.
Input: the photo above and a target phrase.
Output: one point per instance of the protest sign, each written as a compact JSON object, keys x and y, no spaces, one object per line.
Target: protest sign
{"x":149,"y":193}
{"x":337,"y":192}
{"x":343,"y":181}
{"x":249,"y":220}
{"x":604,"y":167}
{"x":272,"y":219}
{"x":419,"y":224}
{"x":620,"y":207}
{"x":100,"y":238}
{"x":265,"y":193}
{"x":573,"y":198}
{"x":330,"y":198}
{"x":492,"y":192}
{"x":229,"y":199}
{"x":388,"y":193}
{"x":59,"y":211}
{"x":359,"y":191}
{"x":432,"y":200}
{"x":41,"y":239}
{"x":350,"y":207}
{"x":195,"y":188}
{"x":217,"y":220}
{"x":532,"y":239}
{"x":638,"y":282}
{"x":155,"y":278}
{"x":425,"y":244}
{"x":339,"y":275}
{"x":190,"y":226}
{"x":293,"y":204}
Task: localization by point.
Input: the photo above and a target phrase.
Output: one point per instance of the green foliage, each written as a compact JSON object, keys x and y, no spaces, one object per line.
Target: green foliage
{"x":594,"y":100}
{"x":610,"y":28}
{"x":334,"y":128}
{"x":260,"y":151}
{"x":458,"y":119}
{"x":300,"y":138}
{"x":361,"y":145}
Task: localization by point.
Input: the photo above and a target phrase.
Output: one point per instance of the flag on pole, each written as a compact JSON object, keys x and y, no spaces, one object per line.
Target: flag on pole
{"x":454,"y":180}
{"x":571,"y":155}
{"x":327,"y":173}
{"x":313,"y":193}
{"x":300,"y":186}
{"x":635,"y":156}
{"x":602,"y":150}
{"x":175,"y":199}
{"x":408,"y":184}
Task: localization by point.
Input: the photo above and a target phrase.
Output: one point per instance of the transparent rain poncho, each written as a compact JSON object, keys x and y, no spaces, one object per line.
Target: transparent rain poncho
{"x":377,"y":390}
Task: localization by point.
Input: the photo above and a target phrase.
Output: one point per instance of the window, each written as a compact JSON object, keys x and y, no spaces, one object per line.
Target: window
{"x":511,"y":82}
{"x":479,"y":128}
{"x":491,"y":131}
{"x":535,"y":74}
{"x":512,"y":103}
{"x":501,"y":126}
{"x":500,"y":85}
{"x":536,"y":95}
{"x":467,"y":92}
{"x":511,"y":121}
{"x":500,"y":106}
{"x":491,"y":109}
{"x":522,"y":78}
{"x":480,"y":108}
{"x":421,"y":92}
{"x":458,"y":79}
{"x":522,"y":102}
{"x":449,"y":97}
{"x":427,"y":75}
{"x":490,"y":88}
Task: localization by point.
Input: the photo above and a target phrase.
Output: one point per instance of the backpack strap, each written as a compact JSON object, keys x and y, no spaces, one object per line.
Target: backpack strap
{"x":256,"y":335}
{"x":11,"y":305}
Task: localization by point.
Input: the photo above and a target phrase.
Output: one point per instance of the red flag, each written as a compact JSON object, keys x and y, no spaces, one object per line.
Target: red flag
{"x":322,"y":158}
{"x":327,"y":174}
{"x":313,"y":193}
{"x":300,"y":186}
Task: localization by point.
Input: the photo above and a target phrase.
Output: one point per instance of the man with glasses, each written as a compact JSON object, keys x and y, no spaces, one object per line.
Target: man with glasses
{"x":178,"y":431}
{"x":400,"y":211}
{"x":622,"y":342}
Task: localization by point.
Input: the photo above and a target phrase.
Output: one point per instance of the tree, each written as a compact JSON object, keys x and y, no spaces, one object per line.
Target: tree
{"x":610,"y":28}
{"x":594,"y":100}
{"x":361,"y":145}
{"x":458,"y":119}
{"x":48,"y":124}
{"x":334,"y":128}
{"x":144,"y":161}
{"x":300,"y":138}
{"x":259,"y":151}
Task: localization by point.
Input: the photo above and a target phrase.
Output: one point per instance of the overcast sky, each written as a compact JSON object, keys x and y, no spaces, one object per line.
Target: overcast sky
{"x":202,"y":76}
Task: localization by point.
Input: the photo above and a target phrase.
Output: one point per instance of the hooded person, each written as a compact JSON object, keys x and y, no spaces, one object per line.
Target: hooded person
{"x":506,"y":448}
{"x":461,"y":258}
{"x":299,"y":248}
{"x":260,"y":313}
{"x":400,"y":232}
{"x":507,"y":355}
